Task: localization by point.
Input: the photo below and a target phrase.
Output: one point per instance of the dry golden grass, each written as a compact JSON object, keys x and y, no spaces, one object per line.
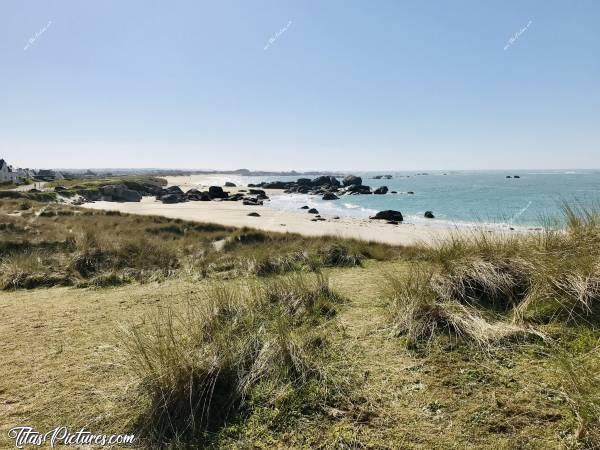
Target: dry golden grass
{"x":64,"y":364}
{"x":64,"y":361}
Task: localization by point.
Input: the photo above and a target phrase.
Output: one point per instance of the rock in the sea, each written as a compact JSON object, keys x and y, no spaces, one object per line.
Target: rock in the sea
{"x":330,"y":196}
{"x":410,"y":192}
{"x":388,"y":214}
{"x":516,"y":176}
{"x":277,"y":185}
{"x":352,"y":179}
{"x":305,"y":207}
{"x":313,"y":211}
{"x":254,"y":214}
{"x":335,"y":217}
{"x":508,"y":176}
{"x":393,"y":192}
{"x":429,"y":215}
{"x":229,"y":184}
{"x":381,"y":190}
{"x":357,"y":189}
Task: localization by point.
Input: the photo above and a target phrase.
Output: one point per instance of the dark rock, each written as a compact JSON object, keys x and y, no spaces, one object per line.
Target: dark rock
{"x":381,"y":190}
{"x":429,"y":215}
{"x":313,"y":211}
{"x":330,"y":196}
{"x":174,"y":190}
{"x":393,"y":192}
{"x":172,"y":198}
{"x":336,"y":217}
{"x":508,"y":176}
{"x":392,"y":222}
{"x":304,"y":207}
{"x":313,"y":220}
{"x":196,"y":195}
{"x":325,"y":180}
{"x":516,"y":176}
{"x":229,"y":184}
{"x":304,"y":182}
{"x":357,"y":189}
{"x":352,"y":179}
{"x":254,"y":214}
{"x":387,"y":177}
{"x":120,"y":193}
{"x":252,"y":201}
{"x":410,"y":192}
{"x":377,"y":177}
{"x":388,"y":214}
{"x":277,"y":185}
{"x":217,"y":192}
{"x":259,"y":193}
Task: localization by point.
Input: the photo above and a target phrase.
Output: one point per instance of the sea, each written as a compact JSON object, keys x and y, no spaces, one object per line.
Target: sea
{"x":535,"y":198}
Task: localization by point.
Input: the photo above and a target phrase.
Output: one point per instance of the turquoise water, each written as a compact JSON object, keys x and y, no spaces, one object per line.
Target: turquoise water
{"x":463,"y":197}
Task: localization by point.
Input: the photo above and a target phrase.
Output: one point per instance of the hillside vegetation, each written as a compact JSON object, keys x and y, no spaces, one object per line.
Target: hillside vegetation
{"x":197,"y":335}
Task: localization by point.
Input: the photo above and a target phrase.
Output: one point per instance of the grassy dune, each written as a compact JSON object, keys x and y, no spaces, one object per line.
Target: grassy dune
{"x":192,"y":334}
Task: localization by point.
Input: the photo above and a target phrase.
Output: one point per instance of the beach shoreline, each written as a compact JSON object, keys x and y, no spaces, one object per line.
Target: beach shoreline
{"x":235,"y":214}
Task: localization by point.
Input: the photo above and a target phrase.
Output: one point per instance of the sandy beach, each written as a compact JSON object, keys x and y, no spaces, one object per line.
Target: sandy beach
{"x":236,"y":214}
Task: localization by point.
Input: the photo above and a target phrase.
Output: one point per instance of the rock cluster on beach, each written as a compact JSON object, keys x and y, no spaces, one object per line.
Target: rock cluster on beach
{"x":174,"y":194}
{"x":326,"y":185}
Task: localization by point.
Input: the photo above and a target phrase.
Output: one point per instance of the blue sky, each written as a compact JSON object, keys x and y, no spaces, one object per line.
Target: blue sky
{"x":397,"y":85}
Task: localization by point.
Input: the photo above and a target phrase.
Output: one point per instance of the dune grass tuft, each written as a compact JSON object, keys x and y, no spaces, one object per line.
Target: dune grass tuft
{"x":231,"y":347}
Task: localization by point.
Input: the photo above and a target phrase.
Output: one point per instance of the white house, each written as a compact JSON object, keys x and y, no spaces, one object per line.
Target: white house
{"x":7,"y":175}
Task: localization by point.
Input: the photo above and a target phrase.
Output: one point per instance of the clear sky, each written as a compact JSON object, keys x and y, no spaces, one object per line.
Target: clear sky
{"x":397,"y":85}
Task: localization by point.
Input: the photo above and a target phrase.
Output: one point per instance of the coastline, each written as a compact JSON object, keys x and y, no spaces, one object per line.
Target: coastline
{"x":235,"y":214}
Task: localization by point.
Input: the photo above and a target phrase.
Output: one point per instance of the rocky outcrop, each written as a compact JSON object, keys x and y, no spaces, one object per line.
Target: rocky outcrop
{"x":388,"y":214}
{"x":355,"y":189}
{"x":429,"y":215}
{"x":330,"y":196}
{"x":217,"y":192}
{"x":229,"y":184}
{"x":313,"y":211}
{"x":322,"y":185}
{"x":174,"y":190}
{"x":120,"y":193}
{"x":253,"y":214}
{"x":381,"y":190}
{"x":172,"y":198}
{"x":352,"y":179}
